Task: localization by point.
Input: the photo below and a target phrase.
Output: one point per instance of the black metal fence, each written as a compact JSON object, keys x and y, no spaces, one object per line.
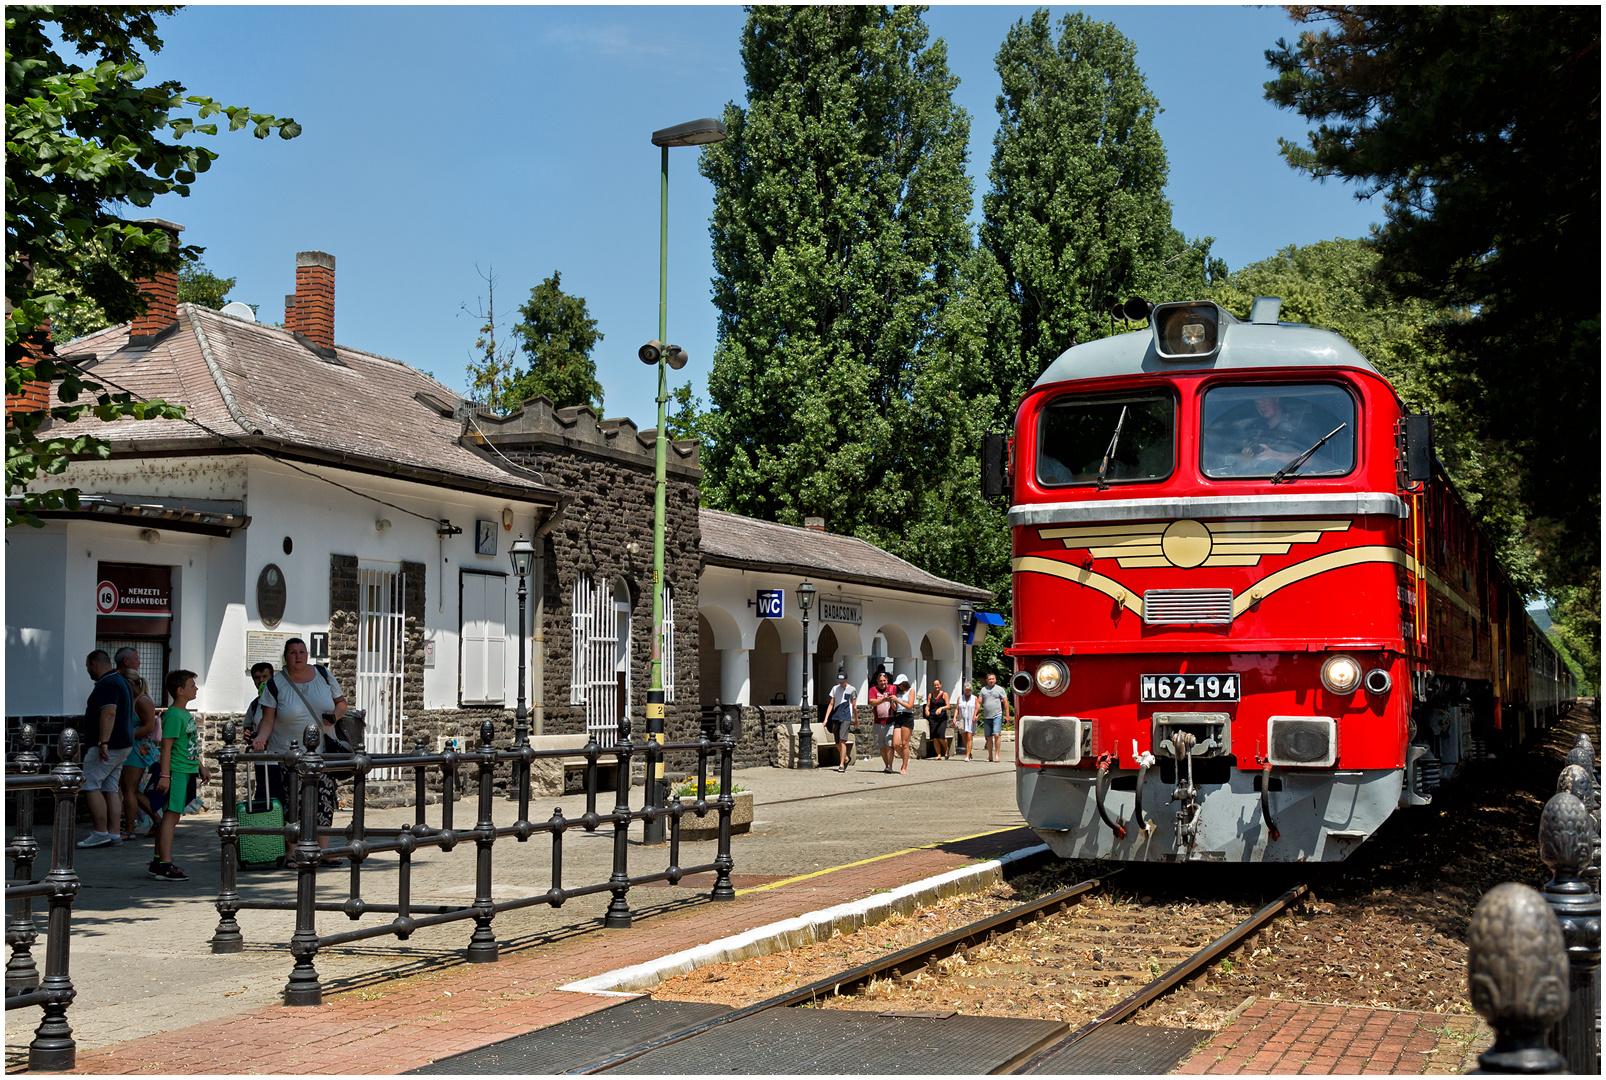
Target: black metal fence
{"x":52,"y":1046}
{"x":1533,"y":956}
{"x":357,"y":842}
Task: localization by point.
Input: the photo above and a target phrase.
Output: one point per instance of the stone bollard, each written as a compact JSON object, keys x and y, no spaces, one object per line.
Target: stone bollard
{"x":1566,"y":835}
{"x":1517,"y":978}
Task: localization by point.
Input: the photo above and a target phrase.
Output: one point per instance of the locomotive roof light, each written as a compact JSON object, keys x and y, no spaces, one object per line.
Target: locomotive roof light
{"x":1341,"y":674}
{"x":1189,"y":331}
{"x":1052,"y":677}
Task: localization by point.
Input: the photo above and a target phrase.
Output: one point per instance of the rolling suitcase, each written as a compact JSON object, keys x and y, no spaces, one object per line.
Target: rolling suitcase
{"x":261,"y":809}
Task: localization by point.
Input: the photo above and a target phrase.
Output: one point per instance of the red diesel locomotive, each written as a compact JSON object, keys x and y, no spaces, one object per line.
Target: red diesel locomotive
{"x":1252,"y":617}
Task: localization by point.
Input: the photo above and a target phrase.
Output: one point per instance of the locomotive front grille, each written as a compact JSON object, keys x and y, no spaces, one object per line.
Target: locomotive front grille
{"x":1210,"y":606}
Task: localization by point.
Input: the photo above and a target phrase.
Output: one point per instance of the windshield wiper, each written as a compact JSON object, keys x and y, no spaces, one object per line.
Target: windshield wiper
{"x":1292,"y":466}
{"x":1108,"y":454}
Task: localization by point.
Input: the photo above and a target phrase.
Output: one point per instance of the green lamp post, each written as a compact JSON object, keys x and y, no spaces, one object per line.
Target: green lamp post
{"x":692,"y":133}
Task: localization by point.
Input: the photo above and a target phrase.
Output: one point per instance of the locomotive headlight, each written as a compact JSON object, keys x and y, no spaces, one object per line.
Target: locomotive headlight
{"x":1341,"y":675}
{"x":1193,"y":334}
{"x":1052,"y":677}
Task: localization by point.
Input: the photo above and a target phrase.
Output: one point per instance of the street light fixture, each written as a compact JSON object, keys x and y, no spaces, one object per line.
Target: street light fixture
{"x":805,"y":734}
{"x":522,"y":555}
{"x":691,"y":133}
{"x":965,"y":611}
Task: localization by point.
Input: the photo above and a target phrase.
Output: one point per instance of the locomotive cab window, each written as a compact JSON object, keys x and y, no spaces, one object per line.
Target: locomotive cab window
{"x":1075,"y":437}
{"x":1255,"y":431}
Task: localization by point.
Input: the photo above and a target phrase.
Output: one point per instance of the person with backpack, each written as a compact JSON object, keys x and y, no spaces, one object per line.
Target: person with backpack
{"x":301,"y":694}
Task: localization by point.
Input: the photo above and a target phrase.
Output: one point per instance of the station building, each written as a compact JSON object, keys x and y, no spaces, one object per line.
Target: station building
{"x":327,"y":493}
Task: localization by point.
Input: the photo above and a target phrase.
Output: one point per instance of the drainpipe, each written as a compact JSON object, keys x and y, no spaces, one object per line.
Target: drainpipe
{"x":539,"y":644}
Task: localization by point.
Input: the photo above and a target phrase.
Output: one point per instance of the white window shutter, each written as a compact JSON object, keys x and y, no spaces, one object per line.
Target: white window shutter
{"x":471,"y":660}
{"x":495,"y":639}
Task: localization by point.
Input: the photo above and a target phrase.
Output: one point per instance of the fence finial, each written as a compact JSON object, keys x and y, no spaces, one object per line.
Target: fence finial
{"x":1517,"y":978}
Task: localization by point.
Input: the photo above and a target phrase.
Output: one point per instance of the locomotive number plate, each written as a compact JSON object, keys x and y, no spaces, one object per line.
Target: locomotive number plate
{"x":1189,"y":688}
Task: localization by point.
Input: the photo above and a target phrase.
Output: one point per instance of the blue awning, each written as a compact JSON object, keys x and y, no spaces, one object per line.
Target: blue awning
{"x":991,"y":618}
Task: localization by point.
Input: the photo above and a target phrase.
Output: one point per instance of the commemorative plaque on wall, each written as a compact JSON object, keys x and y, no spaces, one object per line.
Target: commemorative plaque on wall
{"x":270,"y":595}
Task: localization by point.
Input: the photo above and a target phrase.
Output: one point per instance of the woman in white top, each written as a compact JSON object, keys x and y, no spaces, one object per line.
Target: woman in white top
{"x":299,"y":695}
{"x":965,"y":717}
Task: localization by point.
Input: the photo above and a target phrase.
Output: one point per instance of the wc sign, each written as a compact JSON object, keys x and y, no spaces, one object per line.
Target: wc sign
{"x":771,"y":603}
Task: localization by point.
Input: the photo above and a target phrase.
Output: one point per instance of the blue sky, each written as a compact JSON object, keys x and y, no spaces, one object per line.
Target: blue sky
{"x":438,"y":138}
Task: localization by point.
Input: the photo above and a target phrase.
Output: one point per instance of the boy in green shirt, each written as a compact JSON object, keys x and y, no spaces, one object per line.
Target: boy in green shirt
{"x":181,"y":761}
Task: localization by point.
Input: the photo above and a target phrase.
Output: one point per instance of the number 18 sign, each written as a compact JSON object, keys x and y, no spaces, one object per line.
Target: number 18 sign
{"x":771,"y":603}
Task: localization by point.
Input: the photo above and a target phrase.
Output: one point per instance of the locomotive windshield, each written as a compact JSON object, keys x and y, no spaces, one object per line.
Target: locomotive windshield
{"x":1075,"y":434}
{"x":1259,"y":430}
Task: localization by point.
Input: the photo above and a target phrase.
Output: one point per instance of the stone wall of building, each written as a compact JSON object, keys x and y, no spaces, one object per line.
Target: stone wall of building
{"x":606,"y":470}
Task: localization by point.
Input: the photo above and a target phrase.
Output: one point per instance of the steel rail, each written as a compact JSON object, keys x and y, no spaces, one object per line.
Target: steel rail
{"x":1169,"y":981}
{"x":897,"y":963}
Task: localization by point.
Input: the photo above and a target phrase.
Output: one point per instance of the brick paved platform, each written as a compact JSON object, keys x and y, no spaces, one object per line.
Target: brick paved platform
{"x":400,"y":1024}
{"x":1295,"y":1037}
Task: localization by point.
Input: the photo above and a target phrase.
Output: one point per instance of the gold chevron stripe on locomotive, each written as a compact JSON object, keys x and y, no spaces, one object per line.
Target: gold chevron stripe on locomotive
{"x":1288,"y":575}
{"x":1188,"y":543}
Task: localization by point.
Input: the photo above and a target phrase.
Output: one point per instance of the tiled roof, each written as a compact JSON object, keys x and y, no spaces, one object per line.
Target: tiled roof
{"x":262,"y":386}
{"x":748,"y":543}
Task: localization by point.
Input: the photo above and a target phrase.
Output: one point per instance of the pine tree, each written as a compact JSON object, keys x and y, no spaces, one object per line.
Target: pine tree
{"x":557,"y":335}
{"x":846,"y":372}
{"x":1077,"y":215}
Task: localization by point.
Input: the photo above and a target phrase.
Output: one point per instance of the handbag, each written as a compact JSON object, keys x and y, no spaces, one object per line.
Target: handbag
{"x":348,"y":732}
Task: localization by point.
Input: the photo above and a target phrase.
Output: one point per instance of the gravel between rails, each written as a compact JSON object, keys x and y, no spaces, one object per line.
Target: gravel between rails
{"x":1384,"y":929}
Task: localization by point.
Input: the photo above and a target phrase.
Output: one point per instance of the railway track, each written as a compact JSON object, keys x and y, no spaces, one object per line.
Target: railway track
{"x":1102,"y":948}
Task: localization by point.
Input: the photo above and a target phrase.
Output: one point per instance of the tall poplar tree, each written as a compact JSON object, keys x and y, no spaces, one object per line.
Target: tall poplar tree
{"x":846,"y":371}
{"x":1077,"y":215}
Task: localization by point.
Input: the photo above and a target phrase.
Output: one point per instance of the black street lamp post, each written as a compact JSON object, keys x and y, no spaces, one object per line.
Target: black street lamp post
{"x":805,"y":734}
{"x":965,"y":611}
{"x":522,"y":554}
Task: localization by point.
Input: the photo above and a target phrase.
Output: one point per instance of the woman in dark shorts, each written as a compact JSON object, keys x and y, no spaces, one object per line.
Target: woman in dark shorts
{"x":903,"y":719}
{"x":937,"y":719}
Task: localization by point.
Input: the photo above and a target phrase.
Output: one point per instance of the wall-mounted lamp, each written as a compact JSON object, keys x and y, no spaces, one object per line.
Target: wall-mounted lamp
{"x":382,"y":524}
{"x":150,"y":536}
{"x":507,"y":518}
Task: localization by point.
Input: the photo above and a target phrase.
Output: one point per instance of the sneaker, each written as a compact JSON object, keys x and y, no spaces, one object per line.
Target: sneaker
{"x":98,"y":839}
{"x":166,"y":872}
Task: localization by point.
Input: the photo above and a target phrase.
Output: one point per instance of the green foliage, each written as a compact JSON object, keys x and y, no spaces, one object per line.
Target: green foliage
{"x":846,"y":381}
{"x":80,"y":142}
{"x":687,"y":789}
{"x":1077,"y":214}
{"x":1480,"y":126}
{"x":198,"y":285}
{"x":557,"y":335}
{"x":688,"y":420}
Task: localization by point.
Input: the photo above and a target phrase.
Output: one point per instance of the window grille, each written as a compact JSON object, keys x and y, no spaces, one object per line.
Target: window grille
{"x":381,"y":640}
{"x":594,"y":663}
{"x":668,"y":666}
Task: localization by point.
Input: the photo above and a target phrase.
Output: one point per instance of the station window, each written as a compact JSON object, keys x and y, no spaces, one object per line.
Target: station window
{"x":1253,"y":431}
{"x":1075,"y":434}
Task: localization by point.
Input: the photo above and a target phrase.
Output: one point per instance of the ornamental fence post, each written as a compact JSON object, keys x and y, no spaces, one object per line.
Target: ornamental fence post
{"x":1517,"y":978}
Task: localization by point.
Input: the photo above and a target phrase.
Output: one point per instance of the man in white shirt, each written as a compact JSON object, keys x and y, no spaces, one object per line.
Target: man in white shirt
{"x":839,"y":720}
{"x":994,"y":711}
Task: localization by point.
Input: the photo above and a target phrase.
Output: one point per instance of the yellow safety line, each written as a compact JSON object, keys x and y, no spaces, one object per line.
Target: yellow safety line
{"x":877,"y":858}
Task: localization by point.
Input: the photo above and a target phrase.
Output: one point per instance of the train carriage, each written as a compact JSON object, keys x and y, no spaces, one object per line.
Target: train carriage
{"x":1252,"y":617}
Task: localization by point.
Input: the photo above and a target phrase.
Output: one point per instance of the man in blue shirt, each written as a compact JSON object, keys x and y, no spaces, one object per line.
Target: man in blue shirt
{"x":109,"y":721}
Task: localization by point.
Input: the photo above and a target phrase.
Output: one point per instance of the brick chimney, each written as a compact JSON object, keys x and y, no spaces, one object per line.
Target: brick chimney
{"x":160,"y":292}
{"x":35,"y":395}
{"x":313,"y":313}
